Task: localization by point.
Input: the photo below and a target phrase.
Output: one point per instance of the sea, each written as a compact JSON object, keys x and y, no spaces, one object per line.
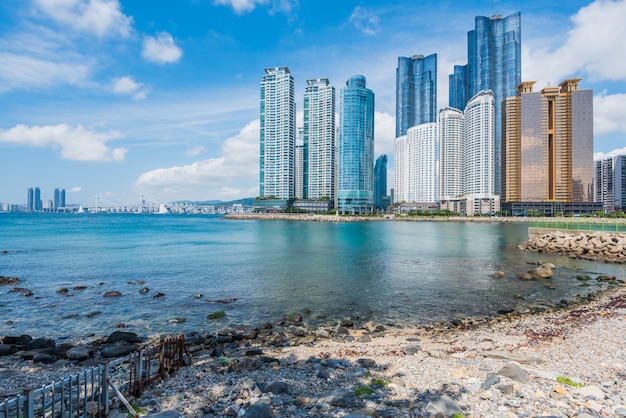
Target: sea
{"x":174,"y":270}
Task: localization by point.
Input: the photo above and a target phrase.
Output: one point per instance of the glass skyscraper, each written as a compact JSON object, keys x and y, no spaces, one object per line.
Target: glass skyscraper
{"x":380,"y":182}
{"x":319,"y":140}
{"x":278,"y":134}
{"x":356,"y":147}
{"x":493,"y":63}
{"x":416,"y":92}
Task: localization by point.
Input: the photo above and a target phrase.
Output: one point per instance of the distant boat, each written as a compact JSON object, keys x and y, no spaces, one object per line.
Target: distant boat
{"x":163,"y":209}
{"x":81,"y":209}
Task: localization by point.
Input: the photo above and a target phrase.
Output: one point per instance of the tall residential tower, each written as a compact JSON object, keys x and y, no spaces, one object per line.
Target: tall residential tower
{"x":278,"y":134}
{"x":416,"y":92}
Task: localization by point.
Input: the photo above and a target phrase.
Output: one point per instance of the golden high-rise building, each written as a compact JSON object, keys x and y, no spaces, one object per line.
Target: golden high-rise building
{"x":548,"y":144}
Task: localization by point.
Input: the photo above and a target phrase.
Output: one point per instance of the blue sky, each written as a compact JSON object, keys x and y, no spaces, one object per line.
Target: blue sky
{"x":114,"y":98}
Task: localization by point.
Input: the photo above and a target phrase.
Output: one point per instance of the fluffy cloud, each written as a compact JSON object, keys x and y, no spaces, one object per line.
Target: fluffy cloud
{"x":590,"y":47}
{"x":128,"y":86}
{"x":101,"y":17}
{"x":239,"y":161}
{"x":161,"y":50}
{"x":364,"y":20}
{"x":75,"y":189}
{"x":384,"y":133}
{"x":609,"y":113}
{"x":614,"y":153}
{"x":195,"y":151}
{"x":75,"y":143}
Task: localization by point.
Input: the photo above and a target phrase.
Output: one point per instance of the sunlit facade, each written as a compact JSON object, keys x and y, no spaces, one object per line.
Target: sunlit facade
{"x":416,"y":92}
{"x":356,"y":148}
{"x":319,"y":139}
{"x":451,"y":151}
{"x":278,"y":134}
{"x":548,"y":144}
{"x":416,"y":174}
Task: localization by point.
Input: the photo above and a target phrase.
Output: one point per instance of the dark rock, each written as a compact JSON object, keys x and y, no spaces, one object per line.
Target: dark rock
{"x":341,"y":332}
{"x":367,"y":363}
{"x":118,"y":350}
{"x":22,"y":340}
{"x":129,"y":337}
{"x":259,"y":410}
{"x":79,"y":287}
{"x":492,"y":379}
{"x":79,"y":353}
{"x":61,"y":350}
{"x":338,"y":397}
{"x":217,"y":351}
{"x":268,"y":359}
{"x":62,"y":290}
{"x":254,"y":352}
{"x":506,"y":389}
{"x":40,"y":343}
{"x":164,"y":414}
{"x":515,"y":372}
{"x":112,"y":294}
{"x":335,"y":363}
{"x":216,"y":315}
{"x":347,"y":323}
{"x":8,"y":281}
{"x":158,"y":295}
{"x":44,"y":358}
{"x":6,"y":349}
{"x":294,"y":317}
{"x":144,"y":290}
{"x":273,"y":387}
{"x":223,"y":340}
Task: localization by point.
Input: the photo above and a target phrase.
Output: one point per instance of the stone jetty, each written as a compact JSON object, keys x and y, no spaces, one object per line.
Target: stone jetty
{"x":597,"y":246}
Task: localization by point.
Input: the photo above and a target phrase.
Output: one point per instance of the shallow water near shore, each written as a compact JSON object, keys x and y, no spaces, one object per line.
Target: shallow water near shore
{"x":397,"y":273}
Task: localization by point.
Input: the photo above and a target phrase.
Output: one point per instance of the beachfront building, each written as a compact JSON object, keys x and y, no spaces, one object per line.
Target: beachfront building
{"x":319,"y":140}
{"x":299,"y":170}
{"x":277,"y":136}
{"x":610,"y":183}
{"x":548,"y":150}
{"x":356,"y":148}
{"x":416,"y":92}
{"x":493,"y":63}
{"x":451,"y":152}
{"x":416,"y":174}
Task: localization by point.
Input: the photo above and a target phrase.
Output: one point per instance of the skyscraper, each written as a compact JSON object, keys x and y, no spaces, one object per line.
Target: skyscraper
{"x":416,"y":170}
{"x":493,"y":63}
{"x":610,"y":183}
{"x":548,"y":144}
{"x":319,"y":139}
{"x":478,"y":144}
{"x":416,"y":92}
{"x":30,"y":205}
{"x":451,"y":152}
{"x":380,"y":182}
{"x":356,"y":147}
{"x":278,"y":132}
{"x":37,"y":201}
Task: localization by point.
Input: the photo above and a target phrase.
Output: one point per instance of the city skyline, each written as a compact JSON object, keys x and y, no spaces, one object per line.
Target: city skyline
{"x":164,"y":100}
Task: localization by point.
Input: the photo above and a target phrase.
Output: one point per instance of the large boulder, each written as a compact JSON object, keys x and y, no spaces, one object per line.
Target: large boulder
{"x":129,"y":337}
{"x":118,"y":351}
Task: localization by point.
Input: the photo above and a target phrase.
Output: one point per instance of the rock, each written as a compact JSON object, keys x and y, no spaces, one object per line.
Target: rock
{"x":442,"y":404}
{"x":367,"y":363}
{"x":79,"y":353}
{"x":338,"y":397}
{"x":40,"y":343}
{"x":8,"y":281}
{"x":512,"y":357}
{"x":232,"y":410}
{"x":164,"y":414}
{"x":44,"y":358}
{"x":92,"y":408}
{"x":22,"y":340}
{"x":216,"y":315}
{"x":515,"y":372}
{"x":259,"y":410}
{"x":438,"y":354}
{"x":492,"y":379}
{"x":63,"y":290}
{"x":118,"y":351}
{"x":6,"y":349}
{"x":497,"y":275}
{"x":409,"y":350}
{"x":541,"y":272}
{"x":274,"y":387}
{"x":112,"y":294}
{"x":144,"y":290}
{"x":592,"y":391}
{"x":129,"y":337}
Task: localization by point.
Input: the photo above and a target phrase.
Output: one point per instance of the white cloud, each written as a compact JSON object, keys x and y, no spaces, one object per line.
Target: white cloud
{"x":127,"y":85}
{"x":76,"y":189}
{"x":195,"y":151}
{"x":614,"y":153}
{"x":609,"y":113}
{"x":161,"y":50}
{"x":591,"y":47}
{"x":239,"y":161}
{"x":100,"y":17}
{"x":20,"y":71}
{"x":384,"y":133}
{"x":75,"y":143}
{"x":364,"y":20}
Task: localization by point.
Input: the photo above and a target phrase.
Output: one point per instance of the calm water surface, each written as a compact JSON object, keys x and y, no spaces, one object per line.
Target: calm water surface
{"x":390,"y":272}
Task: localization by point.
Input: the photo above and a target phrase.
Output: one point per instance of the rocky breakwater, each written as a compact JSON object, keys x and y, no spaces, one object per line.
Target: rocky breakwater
{"x":596,"y":246}
{"x":293,"y":217}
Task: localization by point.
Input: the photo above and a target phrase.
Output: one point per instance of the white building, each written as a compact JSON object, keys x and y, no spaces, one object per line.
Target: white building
{"x":319,"y":139}
{"x":417,"y":165}
{"x":278,"y":134}
{"x":451,"y":143}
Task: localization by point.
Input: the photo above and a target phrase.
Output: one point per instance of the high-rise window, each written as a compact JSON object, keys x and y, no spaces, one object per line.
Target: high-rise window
{"x":416,"y":92}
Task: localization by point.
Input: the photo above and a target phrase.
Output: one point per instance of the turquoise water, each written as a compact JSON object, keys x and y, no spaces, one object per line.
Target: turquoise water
{"x":399,"y":273}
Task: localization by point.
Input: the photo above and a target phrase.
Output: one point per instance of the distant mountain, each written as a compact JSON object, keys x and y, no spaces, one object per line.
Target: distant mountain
{"x":248,"y":201}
